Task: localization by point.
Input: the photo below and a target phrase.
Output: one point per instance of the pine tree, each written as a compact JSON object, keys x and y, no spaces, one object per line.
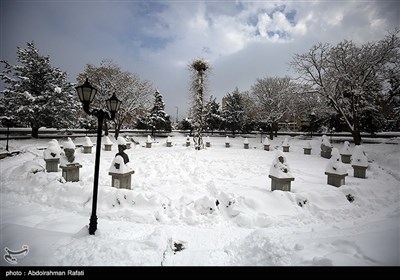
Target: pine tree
{"x":37,"y":94}
{"x":212,"y":114}
{"x":157,"y":118}
{"x":233,"y":111}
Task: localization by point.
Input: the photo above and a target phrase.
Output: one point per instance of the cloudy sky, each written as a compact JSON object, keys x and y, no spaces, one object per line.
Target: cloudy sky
{"x":242,"y":40}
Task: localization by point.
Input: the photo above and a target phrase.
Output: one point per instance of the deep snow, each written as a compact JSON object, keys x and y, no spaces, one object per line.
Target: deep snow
{"x":215,"y":205}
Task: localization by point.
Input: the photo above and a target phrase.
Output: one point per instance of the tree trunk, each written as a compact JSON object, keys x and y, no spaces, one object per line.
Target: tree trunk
{"x":356,"y":137}
{"x":271,"y":132}
{"x":35,"y":132}
{"x":275,"y":128}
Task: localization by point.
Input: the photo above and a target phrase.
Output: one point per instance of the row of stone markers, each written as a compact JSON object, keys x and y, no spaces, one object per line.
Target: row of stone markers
{"x":336,"y":171}
{"x":54,"y":155}
{"x":120,"y":170}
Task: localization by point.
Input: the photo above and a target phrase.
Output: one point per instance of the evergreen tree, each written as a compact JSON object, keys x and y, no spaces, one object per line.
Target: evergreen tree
{"x":212,"y":114}
{"x":157,"y":118}
{"x":37,"y":94}
{"x":233,"y":111}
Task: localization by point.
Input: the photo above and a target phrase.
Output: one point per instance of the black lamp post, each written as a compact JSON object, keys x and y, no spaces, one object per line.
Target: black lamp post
{"x":86,"y":94}
{"x":8,"y":123}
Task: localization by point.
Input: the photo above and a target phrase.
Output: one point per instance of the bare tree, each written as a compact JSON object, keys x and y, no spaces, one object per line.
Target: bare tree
{"x":350,"y":77}
{"x":134,"y":93}
{"x":199,"y":69}
{"x":272,"y":97}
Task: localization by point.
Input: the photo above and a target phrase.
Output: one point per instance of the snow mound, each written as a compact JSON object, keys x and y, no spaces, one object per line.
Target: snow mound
{"x":266,"y":141}
{"x":106,"y":140}
{"x":53,"y":150}
{"x":257,"y":249}
{"x":227,"y":139}
{"x":149,"y":140}
{"x":87,"y":142}
{"x":118,"y":166}
{"x":246,"y":141}
{"x":308,"y":145}
{"x":359,"y":158}
{"x":325,"y":141}
{"x":280,"y":167}
{"x":345,"y":150}
{"x":335,"y":165}
{"x":121,"y":140}
{"x":208,"y":139}
{"x":169,"y":139}
{"x":285,"y":143}
{"x":69,"y":144}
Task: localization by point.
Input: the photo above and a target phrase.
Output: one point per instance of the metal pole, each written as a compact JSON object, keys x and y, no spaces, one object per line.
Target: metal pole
{"x":93,"y":217}
{"x":8,"y":131}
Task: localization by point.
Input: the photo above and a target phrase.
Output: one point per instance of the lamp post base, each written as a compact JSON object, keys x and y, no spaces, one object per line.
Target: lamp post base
{"x":92,"y":225}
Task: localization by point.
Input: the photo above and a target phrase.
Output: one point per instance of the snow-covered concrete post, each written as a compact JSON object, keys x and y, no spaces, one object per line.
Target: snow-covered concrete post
{"x":326,"y":147}
{"x":246,"y":143}
{"x":227,"y":142}
{"x":70,"y":168}
{"x":52,"y":156}
{"x":208,"y":143}
{"x":280,"y":173}
{"x":120,"y":173}
{"x":87,"y":145}
{"x":266,"y":144}
{"x":148,"y":141}
{"x":187,"y":141}
{"x":359,"y":162}
{"x":285,"y":145}
{"x":307,"y":149}
{"x":335,"y":170}
{"x":169,"y":141}
{"x":107,"y":143}
{"x":345,"y":152}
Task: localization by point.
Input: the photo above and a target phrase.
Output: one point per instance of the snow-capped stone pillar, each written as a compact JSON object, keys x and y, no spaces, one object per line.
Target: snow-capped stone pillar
{"x":246,"y":143}
{"x":69,"y":166}
{"x":266,"y":144}
{"x":307,"y":149}
{"x":335,"y":170}
{"x":326,"y":147}
{"x":169,"y":141}
{"x":285,"y":145}
{"x":359,"y":162}
{"x":120,"y":174}
{"x":280,"y":173}
{"x":87,"y":145}
{"x":187,"y":141}
{"x":345,"y":152}
{"x":107,"y":143}
{"x":208,"y":143}
{"x":52,"y":156}
{"x":227,"y":142}
{"x":148,"y":141}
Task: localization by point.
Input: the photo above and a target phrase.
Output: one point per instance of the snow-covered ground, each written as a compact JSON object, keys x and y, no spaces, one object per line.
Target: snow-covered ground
{"x":171,"y":216}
